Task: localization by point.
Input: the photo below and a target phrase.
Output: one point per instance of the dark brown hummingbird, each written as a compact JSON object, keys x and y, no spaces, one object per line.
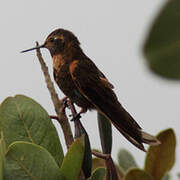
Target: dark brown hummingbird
{"x":80,"y":80}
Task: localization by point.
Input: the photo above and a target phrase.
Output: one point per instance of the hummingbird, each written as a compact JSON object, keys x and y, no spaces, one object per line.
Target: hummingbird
{"x":80,"y":80}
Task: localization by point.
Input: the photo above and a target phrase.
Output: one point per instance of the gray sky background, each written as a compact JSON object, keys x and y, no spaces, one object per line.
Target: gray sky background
{"x":112,"y":35}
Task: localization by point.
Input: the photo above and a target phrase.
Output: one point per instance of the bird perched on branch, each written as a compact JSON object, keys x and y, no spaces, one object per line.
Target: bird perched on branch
{"x":80,"y":80}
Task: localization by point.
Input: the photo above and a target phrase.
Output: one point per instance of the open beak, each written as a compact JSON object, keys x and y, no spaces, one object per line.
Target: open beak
{"x":37,"y":47}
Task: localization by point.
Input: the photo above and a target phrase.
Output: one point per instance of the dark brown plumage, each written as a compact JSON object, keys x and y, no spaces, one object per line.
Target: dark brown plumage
{"x":80,"y":79}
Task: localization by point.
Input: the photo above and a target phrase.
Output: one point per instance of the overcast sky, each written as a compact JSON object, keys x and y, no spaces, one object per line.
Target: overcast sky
{"x":111,"y":34}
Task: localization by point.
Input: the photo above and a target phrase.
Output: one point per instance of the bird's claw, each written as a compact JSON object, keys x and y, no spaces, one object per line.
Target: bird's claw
{"x":76,"y":117}
{"x":64,"y":101}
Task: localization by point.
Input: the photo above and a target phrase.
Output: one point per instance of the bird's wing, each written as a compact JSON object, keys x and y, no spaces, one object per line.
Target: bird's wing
{"x":94,"y":88}
{"x":90,"y":81}
{"x":102,"y":77}
{"x":106,"y":82}
{"x":87,"y":69}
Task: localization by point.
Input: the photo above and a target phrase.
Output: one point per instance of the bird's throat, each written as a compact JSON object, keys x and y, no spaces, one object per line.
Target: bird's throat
{"x":58,"y":62}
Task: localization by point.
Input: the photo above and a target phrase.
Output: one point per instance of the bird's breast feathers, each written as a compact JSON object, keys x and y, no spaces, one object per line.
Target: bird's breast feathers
{"x":58,"y":62}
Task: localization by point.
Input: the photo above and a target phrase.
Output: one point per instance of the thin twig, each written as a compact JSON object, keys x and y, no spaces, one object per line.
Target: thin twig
{"x":101,"y":155}
{"x":58,"y":105}
{"x":111,"y":168}
{"x":54,"y":117}
{"x":77,"y":123}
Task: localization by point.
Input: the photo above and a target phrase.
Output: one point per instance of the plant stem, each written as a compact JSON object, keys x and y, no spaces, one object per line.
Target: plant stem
{"x":77,"y":123}
{"x":111,"y":169}
{"x":58,"y":105}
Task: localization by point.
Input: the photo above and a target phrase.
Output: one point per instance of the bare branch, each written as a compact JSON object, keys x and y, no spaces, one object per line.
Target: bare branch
{"x":111,"y":168}
{"x":58,"y":105}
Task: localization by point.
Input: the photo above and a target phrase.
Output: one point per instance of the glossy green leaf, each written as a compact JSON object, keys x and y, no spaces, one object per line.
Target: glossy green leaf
{"x":126,"y":160}
{"x":73,"y":160}
{"x":98,"y":174}
{"x":162,"y":46}
{"x":105,"y":131}
{"x":23,"y":119}
{"x":2,"y":155}
{"x":160,"y":159}
{"x":137,"y":174}
{"x":26,"y":161}
{"x":87,"y":161}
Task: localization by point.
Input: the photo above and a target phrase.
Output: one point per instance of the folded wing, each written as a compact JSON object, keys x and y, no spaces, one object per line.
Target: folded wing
{"x":95,"y":87}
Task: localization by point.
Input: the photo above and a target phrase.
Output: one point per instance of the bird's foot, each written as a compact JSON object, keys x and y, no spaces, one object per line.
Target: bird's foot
{"x":64,"y":101}
{"x":76,"y":117}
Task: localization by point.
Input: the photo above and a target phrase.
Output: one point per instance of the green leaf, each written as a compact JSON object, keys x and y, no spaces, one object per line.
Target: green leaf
{"x":166,"y":177}
{"x":178,"y":175}
{"x":73,"y":160}
{"x":87,"y":161}
{"x":26,"y":161}
{"x":23,"y":119}
{"x":2,"y":145}
{"x":160,"y":159}
{"x":2,"y":155}
{"x":97,"y":162}
{"x":105,"y":131}
{"x":126,"y":160}
{"x":137,"y":174}
{"x":98,"y":174}
{"x":162,"y":46}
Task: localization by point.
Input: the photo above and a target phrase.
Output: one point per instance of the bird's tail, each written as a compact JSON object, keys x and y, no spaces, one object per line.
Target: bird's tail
{"x":128,"y":127}
{"x":149,"y":139}
{"x":106,"y":102}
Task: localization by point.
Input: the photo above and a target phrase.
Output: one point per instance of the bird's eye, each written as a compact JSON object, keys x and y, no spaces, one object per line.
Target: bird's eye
{"x":51,"y":40}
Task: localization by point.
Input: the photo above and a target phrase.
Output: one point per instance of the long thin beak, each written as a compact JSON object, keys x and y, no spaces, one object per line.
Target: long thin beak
{"x":37,"y":47}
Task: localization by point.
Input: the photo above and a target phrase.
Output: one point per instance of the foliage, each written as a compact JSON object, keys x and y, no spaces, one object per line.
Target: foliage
{"x":24,"y":160}
{"x":34,"y":150}
{"x":23,"y":119}
{"x":28,"y":155}
{"x":126,"y":160}
{"x":161,"y":48}
{"x":159,"y":160}
{"x":162,"y":156}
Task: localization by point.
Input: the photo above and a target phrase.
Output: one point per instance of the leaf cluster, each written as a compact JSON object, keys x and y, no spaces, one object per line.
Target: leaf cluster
{"x":30,"y":146}
{"x":30,"y":149}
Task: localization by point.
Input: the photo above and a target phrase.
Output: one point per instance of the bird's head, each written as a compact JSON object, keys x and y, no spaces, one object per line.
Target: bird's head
{"x":58,"y":42}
